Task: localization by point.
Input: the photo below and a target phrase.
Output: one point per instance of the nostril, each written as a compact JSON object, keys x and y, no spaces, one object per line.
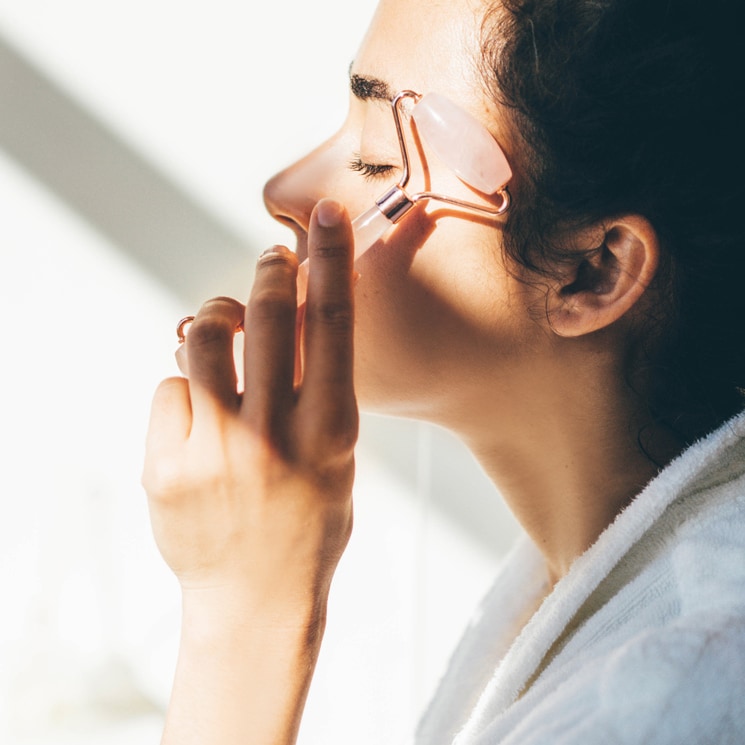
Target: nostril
{"x":287,"y":212}
{"x":289,"y":223}
{"x":288,"y":200}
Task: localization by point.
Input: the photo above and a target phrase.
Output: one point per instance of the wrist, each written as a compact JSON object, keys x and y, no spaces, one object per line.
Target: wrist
{"x":209,"y":614}
{"x":242,"y":668}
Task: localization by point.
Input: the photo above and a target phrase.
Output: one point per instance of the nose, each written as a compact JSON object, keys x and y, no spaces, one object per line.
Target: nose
{"x":291,"y":194}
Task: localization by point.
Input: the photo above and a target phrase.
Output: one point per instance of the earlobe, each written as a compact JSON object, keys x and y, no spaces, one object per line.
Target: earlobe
{"x":606,"y":282}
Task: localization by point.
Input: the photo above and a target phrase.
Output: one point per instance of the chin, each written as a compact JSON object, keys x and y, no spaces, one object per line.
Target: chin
{"x":377,"y":397}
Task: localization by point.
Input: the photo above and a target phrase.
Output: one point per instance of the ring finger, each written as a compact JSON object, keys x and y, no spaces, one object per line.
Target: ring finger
{"x":209,"y":351}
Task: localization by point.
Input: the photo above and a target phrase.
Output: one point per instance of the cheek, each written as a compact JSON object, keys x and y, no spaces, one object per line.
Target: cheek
{"x":436,"y":270}
{"x":431,"y":313}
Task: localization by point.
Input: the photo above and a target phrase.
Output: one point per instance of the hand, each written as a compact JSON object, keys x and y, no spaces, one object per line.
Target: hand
{"x":250,"y":495}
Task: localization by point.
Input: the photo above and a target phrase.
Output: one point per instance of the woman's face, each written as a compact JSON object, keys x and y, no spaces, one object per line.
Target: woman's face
{"x":438,"y":317}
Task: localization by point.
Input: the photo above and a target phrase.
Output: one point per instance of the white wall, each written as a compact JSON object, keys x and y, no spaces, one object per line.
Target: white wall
{"x":216,"y":96}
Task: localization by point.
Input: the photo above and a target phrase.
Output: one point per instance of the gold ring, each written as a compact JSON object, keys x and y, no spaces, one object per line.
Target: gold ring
{"x":181,"y":328}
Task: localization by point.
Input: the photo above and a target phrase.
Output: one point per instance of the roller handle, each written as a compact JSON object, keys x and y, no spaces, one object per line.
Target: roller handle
{"x":368,"y":228}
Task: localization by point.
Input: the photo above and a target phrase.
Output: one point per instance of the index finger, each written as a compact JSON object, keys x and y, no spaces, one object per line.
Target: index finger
{"x":329,"y":311}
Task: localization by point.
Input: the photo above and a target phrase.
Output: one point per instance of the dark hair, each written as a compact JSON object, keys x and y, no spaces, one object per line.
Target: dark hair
{"x":635,"y":107}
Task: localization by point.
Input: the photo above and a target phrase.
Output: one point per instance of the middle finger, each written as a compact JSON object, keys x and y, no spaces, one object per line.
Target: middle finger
{"x":270,"y":338}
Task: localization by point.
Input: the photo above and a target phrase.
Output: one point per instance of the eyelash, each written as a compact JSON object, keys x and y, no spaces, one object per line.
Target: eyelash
{"x":369,"y":170}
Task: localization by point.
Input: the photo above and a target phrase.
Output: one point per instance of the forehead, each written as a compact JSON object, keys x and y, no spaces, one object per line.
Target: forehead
{"x":426,"y":46}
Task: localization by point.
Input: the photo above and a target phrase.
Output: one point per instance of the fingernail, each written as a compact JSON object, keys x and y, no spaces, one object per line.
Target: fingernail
{"x":274,"y":251}
{"x":328,"y":213}
{"x":272,"y":254}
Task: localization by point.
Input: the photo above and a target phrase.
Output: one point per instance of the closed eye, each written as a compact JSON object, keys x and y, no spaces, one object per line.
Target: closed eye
{"x":369,"y":170}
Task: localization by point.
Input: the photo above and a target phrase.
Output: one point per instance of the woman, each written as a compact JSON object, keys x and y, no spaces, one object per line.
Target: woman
{"x":582,"y":348}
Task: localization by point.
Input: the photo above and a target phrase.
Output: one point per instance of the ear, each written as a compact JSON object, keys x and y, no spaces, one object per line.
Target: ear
{"x":605,"y":282}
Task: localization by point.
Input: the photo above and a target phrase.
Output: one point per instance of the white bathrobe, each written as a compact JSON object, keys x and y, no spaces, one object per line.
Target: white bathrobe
{"x":641,"y":643}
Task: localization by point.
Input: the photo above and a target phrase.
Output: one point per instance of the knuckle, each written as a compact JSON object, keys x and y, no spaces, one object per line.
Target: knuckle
{"x":335,"y":314}
{"x":345,"y":439}
{"x":163,"y":479}
{"x":341,"y":443}
{"x":331,"y":441}
{"x":331,"y":251}
{"x":173,"y":479}
{"x":272,"y":304}
{"x":210,"y":331}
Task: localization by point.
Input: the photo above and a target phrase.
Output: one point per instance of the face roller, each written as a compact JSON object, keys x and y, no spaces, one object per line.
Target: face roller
{"x":461,"y":142}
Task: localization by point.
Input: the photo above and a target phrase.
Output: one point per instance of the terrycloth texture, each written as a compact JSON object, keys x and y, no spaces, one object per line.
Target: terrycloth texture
{"x":641,"y":643}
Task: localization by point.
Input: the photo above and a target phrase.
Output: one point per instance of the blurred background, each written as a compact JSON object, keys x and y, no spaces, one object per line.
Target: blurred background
{"x":135,"y":138}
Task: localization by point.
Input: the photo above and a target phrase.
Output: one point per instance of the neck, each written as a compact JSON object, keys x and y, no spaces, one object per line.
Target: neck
{"x":568,"y":462}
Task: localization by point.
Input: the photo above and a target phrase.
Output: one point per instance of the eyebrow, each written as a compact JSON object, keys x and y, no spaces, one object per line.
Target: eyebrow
{"x":367,"y":87}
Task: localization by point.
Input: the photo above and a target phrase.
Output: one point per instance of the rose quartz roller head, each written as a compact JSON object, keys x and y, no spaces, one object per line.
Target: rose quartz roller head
{"x":461,"y":142}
